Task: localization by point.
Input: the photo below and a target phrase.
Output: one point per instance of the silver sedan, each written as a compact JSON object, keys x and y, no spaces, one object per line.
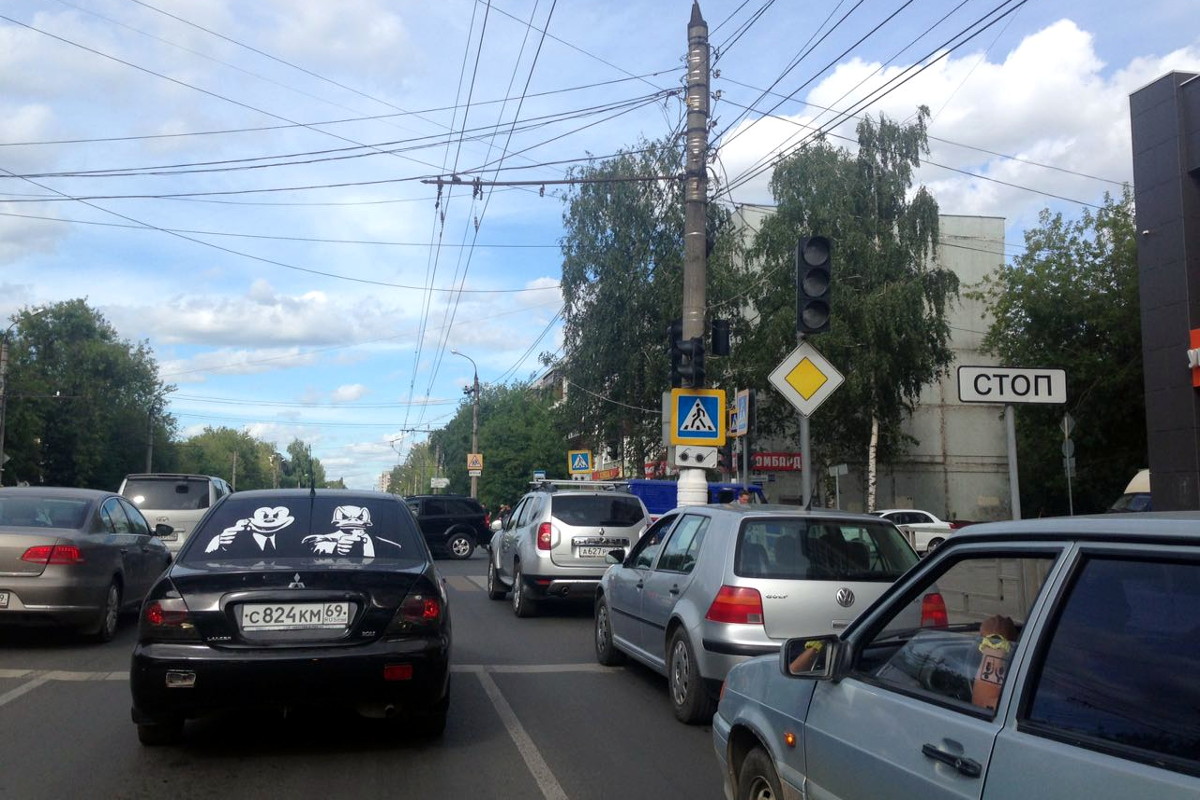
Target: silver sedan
{"x":74,"y":558}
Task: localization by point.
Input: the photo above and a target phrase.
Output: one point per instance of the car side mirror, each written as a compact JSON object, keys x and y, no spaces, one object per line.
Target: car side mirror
{"x":163,"y":530}
{"x":616,"y":556}
{"x":810,"y":656}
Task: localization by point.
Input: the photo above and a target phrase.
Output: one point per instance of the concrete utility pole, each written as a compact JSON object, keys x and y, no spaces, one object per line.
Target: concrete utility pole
{"x":474,"y":419}
{"x":693,"y":488}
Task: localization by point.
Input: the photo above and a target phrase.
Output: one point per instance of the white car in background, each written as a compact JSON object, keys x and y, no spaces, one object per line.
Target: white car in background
{"x":925,"y":531}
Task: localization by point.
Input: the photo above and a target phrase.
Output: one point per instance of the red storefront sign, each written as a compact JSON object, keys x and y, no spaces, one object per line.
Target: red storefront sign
{"x":610,"y":474}
{"x":776,"y":462}
{"x":655,"y":469}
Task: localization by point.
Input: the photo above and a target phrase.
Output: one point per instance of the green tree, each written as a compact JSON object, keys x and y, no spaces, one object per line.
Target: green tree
{"x":889,"y":335}
{"x":233,"y":455}
{"x":516,"y":436}
{"x":82,"y":403}
{"x":300,"y":469}
{"x":1070,"y":301}
{"x":412,"y":476}
{"x":622,"y":285}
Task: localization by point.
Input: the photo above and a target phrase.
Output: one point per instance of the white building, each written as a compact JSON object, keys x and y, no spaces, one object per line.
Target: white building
{"x":959,"y":468}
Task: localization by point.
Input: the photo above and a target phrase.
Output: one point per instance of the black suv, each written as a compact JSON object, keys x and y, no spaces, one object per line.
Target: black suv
{"x":450,"y":522}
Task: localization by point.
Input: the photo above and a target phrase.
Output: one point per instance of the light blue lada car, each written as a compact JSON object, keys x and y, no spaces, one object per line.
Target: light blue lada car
{"x":1053,"y":658}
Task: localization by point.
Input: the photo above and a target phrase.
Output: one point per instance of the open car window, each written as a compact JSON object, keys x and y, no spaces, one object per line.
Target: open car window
{"x":304,"y":528}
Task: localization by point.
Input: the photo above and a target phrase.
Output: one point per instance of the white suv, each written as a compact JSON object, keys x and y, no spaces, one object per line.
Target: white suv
{"x":553,"y":544}
{"x":175,"y":499}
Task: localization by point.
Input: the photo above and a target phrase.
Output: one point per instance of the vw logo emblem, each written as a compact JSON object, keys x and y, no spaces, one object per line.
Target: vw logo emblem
{"x":845,"y":597}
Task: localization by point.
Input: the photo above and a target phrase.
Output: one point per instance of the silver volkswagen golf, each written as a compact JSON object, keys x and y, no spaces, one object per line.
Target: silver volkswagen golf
{"x":708,"y":587}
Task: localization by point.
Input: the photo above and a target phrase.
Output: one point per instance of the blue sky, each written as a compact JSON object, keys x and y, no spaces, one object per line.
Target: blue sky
{"x":240,"y":184}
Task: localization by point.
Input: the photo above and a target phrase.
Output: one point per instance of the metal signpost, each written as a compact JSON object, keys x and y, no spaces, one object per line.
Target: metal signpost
{"x":1006,"y":386}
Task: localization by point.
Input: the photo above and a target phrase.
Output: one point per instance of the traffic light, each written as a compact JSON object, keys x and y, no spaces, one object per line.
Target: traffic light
{"x":813,"y":262}
{"x":687,"y":357}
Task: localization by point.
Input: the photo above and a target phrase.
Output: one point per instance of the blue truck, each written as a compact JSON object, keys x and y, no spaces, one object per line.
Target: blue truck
{"x":660,"y":496}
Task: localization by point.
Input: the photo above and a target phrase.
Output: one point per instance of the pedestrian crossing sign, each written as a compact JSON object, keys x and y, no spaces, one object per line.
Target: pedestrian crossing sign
{"x":698,"y":417}
{"x":579,"y":462}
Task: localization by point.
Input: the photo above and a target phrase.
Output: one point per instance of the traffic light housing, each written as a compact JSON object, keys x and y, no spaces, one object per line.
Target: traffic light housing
{"x":813,"y":263}
{"x":687,"y":357}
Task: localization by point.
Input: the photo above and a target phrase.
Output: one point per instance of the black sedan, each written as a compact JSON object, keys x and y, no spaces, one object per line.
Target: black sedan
{"x":74,"y":558}
{"x":291,"y":598}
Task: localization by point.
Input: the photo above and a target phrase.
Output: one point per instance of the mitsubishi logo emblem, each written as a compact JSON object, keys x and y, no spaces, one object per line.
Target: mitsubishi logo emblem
{"x":298,"y":584}
{"x":845,"y":597}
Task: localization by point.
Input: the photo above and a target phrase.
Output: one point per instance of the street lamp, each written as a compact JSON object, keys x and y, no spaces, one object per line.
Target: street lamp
{"x":474,"y":420}
{"x":4,"y":383}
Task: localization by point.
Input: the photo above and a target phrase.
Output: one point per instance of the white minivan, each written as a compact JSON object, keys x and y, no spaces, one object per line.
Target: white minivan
{"x":175,"y":499}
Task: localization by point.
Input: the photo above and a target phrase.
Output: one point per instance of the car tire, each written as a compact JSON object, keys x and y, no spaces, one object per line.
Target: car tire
{"x":934,"y":543}
{"x":431,"y":724}
{"x":757,"y":779}
{"x":164,"y":732}
{"x":460,"y":546}
{"x":495,"y":589}
{"x":690,"y":698}
{"x":606,"y":652}
{"x":110,"y":616}
{"x":523,"y":605}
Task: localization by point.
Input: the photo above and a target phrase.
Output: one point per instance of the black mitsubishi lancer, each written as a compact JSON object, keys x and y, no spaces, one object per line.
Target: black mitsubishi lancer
{"x":296,"y":597}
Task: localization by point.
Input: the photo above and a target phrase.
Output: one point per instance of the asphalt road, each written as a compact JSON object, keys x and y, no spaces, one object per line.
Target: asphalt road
{"x":532,"y":715}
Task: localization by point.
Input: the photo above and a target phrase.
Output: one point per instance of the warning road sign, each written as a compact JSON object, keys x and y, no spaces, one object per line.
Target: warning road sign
{"x":698,"y":417}
{"x":475,"y":461}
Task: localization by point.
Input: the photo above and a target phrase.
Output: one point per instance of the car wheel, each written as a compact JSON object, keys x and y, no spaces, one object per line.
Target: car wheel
{"x":933,"y":544}
{"x":110,"y":615}
{"x":606,"y":652}
{"x":690,"y":697}
{"x":523,"y":605}
{"x":168,"y":731}
{"x":495,"y":589}
{"x":460,"y":546}
{"x":432,"y":723}
{"x":757,"y":779}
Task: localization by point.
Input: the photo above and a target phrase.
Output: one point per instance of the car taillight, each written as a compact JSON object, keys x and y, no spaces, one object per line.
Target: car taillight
{"x":166,"y":618}
{"x":419,"y":610}
{"x":933,"y":611}
{"x":53,"y":554}
{"x":545,"y":536}
{"x":738,"y":605}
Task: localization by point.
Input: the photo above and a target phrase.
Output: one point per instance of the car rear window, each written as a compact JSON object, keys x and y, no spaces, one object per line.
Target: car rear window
{"x":167,"y":494}
{"x":806,"y":549}
{"x":614,"y":510}
{"x":300,"y":527}
{"x":32,"y":512}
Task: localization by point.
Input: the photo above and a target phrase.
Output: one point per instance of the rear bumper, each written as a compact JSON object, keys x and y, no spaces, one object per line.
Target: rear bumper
{"x":309,"y":676}
{"x":43,"y":601}
{"x":573,"y":587}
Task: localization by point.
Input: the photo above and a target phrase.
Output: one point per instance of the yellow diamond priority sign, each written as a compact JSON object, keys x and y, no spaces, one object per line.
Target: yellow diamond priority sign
{"x":806,"y":379}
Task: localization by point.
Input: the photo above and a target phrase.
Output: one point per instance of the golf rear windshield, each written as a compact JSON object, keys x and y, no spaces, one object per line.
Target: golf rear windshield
{"x":298,"y":526}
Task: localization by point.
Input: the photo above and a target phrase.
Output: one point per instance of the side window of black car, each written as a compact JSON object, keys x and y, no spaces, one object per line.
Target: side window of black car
{"x":1120,"y":668}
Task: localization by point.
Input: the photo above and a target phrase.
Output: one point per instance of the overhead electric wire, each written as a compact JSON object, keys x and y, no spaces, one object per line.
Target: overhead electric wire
{"x":937,"y":55}
{"x":292,"y":126}
{"x":932,"y":138}
{"x":308,"y":157}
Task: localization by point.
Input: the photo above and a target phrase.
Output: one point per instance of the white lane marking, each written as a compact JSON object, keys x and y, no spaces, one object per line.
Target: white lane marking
{"x":537,"y":765}
{"x":29,"y":686}
{"x":460,"y":582}
{"x":480,"y":583}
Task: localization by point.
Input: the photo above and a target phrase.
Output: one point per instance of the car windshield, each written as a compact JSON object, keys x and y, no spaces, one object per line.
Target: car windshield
{"x":37,"y":512}
{"x":167,"y":494}
{"x":612,"y":509}
{"x":300,"y":527}
{"x":807,"y":549}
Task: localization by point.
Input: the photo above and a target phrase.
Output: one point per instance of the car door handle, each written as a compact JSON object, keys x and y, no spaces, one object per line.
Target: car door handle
{"x":674,"y":589}
{"x":640,"y":584}
{"x":966,"y":766}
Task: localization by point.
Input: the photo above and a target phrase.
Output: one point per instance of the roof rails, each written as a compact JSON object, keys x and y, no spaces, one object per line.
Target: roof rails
{"x":554,"y":485}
